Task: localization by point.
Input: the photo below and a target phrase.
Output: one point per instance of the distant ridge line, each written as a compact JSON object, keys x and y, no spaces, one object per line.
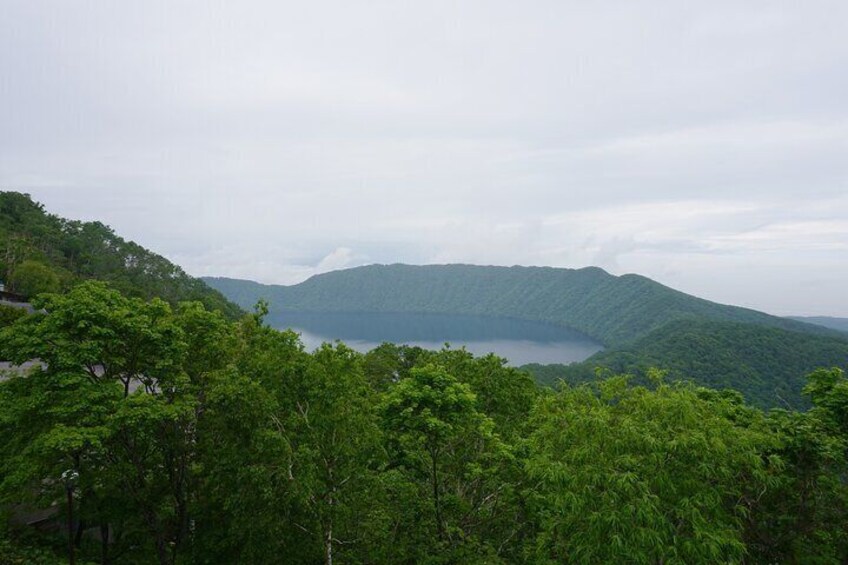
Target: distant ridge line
{"x":611,"y":309}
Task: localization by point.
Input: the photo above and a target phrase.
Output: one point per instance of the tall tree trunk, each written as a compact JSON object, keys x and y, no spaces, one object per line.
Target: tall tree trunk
{"x":71,"y":557}
{"x":328,"y":544}
{"x":159,"y":536}
{"x":437,"y":506}
{"x":80,"y":528}
{"x":161,"y":550}
{"x":328,"y":536}
{"x":104,"y":544}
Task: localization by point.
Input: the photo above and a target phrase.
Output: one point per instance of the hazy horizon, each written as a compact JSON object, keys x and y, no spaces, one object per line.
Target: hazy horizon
{"x":703,"y":146}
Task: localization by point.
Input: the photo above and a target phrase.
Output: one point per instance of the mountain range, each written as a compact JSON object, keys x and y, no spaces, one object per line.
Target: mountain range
{"x":641,"y":322}
{"x":611,"y":309}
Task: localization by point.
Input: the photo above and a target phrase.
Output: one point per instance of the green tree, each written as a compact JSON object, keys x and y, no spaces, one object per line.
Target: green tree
{"x":97,"y":330}
{"x":240,"y":477}
{"x":828,"y":389}
{"x":50,"y":422}
{"x":335,"y":443}
{"x":75,"y":251}
{"x":436,"y":430}
{"x":388,"y":363}
{"x":119,"y":398}
{"x":627,"y":474}
{"x":31,"y":278}
{"x":9,"y":314}
{"x":801,"y":516}
{"x":505,"y":394}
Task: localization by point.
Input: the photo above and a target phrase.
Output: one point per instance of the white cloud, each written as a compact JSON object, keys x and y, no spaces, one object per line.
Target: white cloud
{"x":340,"y":258}
{"x":703,"y":145}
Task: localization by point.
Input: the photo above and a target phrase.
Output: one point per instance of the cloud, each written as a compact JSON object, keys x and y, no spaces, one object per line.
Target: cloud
{"x":701,"y":145}
{"x":806,"y":236}
{"x":340,"y":258}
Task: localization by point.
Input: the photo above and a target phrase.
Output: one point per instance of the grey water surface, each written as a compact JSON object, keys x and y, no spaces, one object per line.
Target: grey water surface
{"x":519,"y":341}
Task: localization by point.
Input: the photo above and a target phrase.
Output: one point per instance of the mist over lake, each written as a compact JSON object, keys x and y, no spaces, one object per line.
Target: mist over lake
{"x":519,"y":341}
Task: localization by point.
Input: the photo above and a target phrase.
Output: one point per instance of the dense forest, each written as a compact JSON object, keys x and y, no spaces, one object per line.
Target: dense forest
{"x":766,"y":364}
{"x":41,"y":252}
{"x":840,"y":324}
{"x":643,"y":323}
{"x":194,"y":439}
{"x":613,"y":310}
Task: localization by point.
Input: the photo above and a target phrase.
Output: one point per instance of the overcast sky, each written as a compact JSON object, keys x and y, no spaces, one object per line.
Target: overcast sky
{"x":704,"y":145}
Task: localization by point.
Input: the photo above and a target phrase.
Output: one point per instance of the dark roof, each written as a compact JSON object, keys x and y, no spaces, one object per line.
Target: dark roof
{"x":12,"y":297}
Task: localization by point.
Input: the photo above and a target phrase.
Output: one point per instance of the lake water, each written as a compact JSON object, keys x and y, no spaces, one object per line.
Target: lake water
{"x":519,"y":341}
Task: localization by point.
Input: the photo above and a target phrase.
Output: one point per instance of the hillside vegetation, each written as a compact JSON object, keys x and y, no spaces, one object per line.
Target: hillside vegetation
{"x":41,"y":252}
{"x":206,"y":441}
{"x":766,"y":364}
{"x":613,"y":310}
{"x":643,"y":323}
{"x":840,"y":324}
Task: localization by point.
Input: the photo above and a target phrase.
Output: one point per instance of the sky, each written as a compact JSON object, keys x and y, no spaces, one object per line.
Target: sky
{"x":704,"y":145}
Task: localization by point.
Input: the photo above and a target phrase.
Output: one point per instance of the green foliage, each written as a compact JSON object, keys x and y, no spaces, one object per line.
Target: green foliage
{"x":643,"y":323}
{"x":96,"y":329}
{"x":765,"y":364}
{"x":30,"y":278}
{"x":429,"y":406}
{"x":40,"y":252}
{"x":240,"y":480}
{"x":115,"y":400}
{"x":612,"y":310}
{"x":625,"y":474}
{"x":15,"y":552}
{"x":435,"y":430}
{"x":503,"y":393}
{"x":335,"y":443}
{"x":801,"y":517}
{"x":202,"y":440}
{"x":8,"y":314}
{"x":828,"y":389}
{"x":839,"y":324}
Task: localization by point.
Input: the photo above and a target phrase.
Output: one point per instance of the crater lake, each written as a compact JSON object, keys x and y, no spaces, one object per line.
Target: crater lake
{"x":519,"y":341}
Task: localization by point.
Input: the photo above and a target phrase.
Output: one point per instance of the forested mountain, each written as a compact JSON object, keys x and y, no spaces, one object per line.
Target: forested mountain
{"x":41,"y":252}
{"x":766,"y":364}
{"x":840,"y":324}
{"x":643,"y":323}
{"x":613,"y":310}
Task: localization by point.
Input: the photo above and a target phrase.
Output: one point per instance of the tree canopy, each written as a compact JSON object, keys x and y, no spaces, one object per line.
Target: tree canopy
{"x":41,"y":252}
{"x":198,"y":439}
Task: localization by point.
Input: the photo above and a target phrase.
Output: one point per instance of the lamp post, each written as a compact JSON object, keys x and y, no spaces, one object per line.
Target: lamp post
{"x":69,"y":478}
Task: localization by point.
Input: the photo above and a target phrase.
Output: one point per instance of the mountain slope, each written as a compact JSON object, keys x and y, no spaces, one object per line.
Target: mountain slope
{"x":767,"y":365}
{"x":613,"y":310}
{"x":43,"y":252}
{"x":839,"y":324}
